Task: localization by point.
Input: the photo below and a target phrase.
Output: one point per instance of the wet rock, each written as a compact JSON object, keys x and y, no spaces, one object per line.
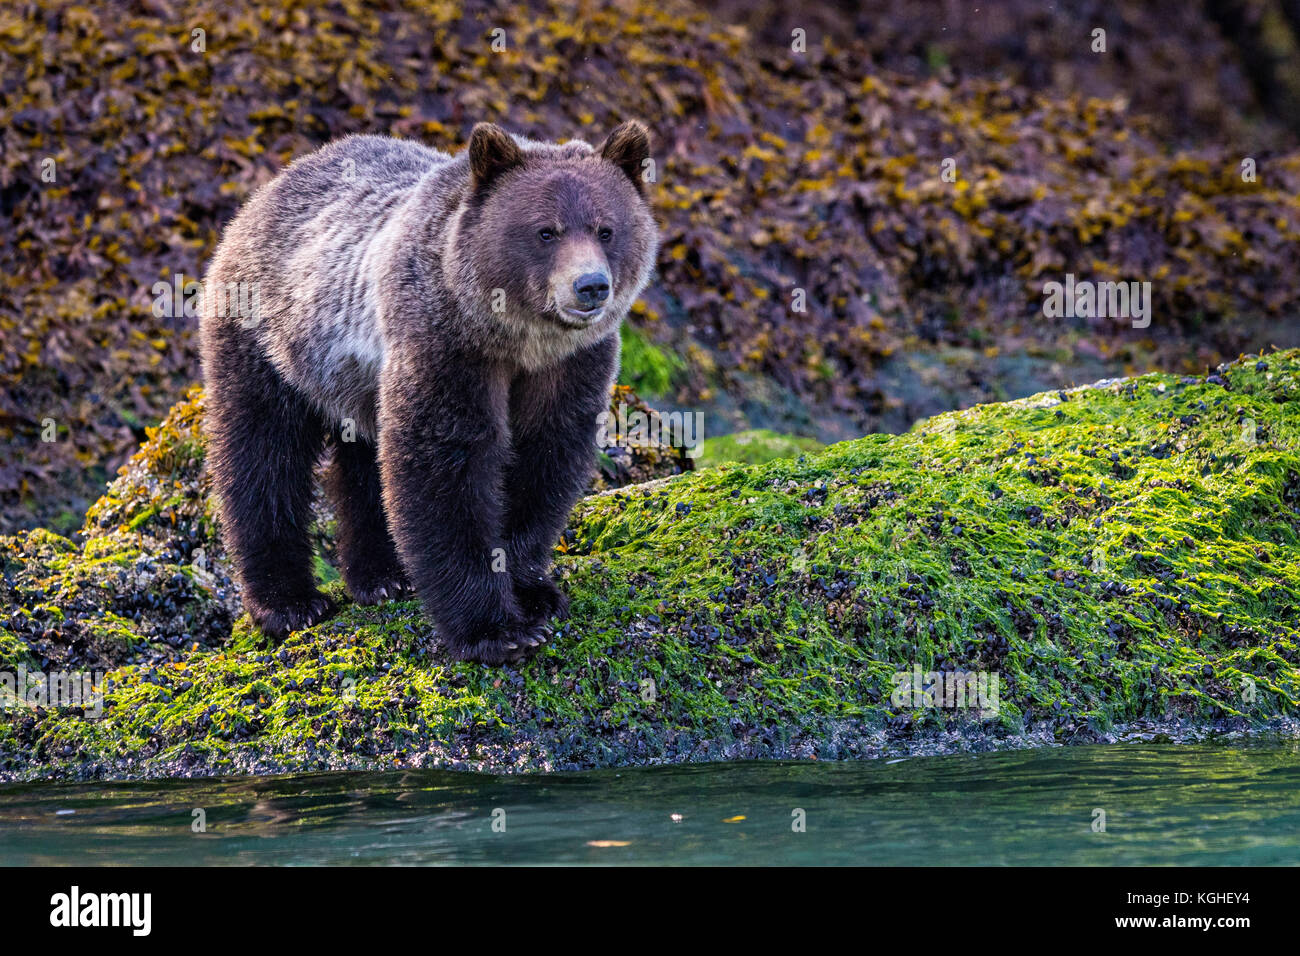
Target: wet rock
{"x":738,"y":611}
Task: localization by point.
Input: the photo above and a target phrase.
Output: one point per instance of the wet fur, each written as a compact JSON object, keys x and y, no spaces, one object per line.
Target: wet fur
{"x":375,"y":261}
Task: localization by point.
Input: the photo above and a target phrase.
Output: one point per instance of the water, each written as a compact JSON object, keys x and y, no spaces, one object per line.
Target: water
{"x":1165,"y":804}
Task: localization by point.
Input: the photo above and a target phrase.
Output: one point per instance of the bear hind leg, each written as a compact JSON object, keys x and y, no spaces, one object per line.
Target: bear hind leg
{"x":264,"y":442}
{"x":370,"y":566}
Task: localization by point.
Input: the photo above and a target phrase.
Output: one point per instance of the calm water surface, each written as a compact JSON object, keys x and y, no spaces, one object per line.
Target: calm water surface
{"x":1164,"y":804}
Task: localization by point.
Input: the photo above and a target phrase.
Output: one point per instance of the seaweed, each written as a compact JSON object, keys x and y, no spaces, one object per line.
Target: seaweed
{"x":813,"y":248}
{"x":1120,"y":554}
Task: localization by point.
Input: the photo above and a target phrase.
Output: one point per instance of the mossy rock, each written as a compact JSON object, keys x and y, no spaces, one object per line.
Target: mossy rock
{"x":753,"y":447}
{"x":649,"y":369}
{"x":1124,"y":556}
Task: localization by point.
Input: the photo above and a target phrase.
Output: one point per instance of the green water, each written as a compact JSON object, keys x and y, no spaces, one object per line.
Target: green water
{"x":1164,"y":804}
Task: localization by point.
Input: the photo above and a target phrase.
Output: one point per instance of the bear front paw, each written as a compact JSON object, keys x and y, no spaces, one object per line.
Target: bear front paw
{"x":540,"y":599}
{"x":508,"y":644}
{"x":278,"y":618}
{"x":394,"y":587}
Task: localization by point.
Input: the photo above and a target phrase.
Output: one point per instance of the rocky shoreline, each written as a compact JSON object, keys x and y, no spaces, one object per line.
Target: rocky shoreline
{"x":1125,"y":557}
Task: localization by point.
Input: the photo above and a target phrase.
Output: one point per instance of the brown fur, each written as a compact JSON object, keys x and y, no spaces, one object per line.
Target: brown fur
{"x":447,"y":313}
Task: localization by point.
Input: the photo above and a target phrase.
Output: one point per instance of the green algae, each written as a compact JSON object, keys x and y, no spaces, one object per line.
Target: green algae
{"x":649,"y":369}
{"x":1123,"y":553}
{"x":754,"y":446}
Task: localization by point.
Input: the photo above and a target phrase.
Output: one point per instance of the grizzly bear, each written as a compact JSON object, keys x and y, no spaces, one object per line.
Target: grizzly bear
{"x":450,"y":325}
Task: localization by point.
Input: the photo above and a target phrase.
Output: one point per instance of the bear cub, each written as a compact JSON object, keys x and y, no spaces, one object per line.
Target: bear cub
{"x":450,"y":326}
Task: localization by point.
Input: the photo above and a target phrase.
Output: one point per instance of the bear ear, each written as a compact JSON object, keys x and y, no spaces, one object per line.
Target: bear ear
{"x":628,"y":147}
{"x":491,"y":152}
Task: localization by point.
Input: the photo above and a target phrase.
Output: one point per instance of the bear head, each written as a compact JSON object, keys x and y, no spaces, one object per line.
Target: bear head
{"x":560,"y":237}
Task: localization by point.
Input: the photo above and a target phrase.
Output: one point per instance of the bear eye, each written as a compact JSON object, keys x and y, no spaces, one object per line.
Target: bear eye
{"x":546,"y":235}
{"x":605,"y":234}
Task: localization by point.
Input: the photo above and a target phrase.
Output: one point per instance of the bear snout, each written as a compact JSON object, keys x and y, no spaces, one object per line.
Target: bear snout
{"x":581,"y":290}
{"x":591,"y":290}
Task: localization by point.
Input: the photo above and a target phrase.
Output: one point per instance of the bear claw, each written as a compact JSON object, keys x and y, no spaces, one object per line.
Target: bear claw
{"x":386,"y":589}
{"x":511,"y":647}
{"x":282,"y":618}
